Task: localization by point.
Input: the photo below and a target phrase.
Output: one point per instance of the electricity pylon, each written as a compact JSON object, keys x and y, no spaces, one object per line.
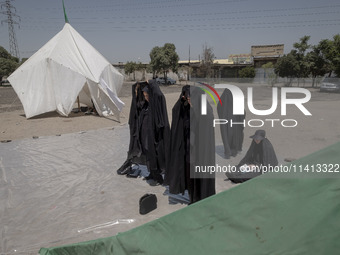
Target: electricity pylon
{"x":10,"y":12}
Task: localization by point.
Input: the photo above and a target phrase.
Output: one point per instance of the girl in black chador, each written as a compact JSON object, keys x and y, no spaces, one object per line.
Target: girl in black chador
{"x":149,"y":131}
{"x":259,"y":155}
{"x":232,"y":135}
{"x":192,"y":143}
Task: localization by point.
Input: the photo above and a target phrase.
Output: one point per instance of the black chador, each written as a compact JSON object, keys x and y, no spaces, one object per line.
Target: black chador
{"x":260,"y":152}
{"x":149,"y":130}
{"x":260,"y":155}
{"x":232,"y":132}
{"x":192,"y":143}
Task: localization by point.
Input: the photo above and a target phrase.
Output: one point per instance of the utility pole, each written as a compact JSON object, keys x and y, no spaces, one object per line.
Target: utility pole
{"x":10,"y":12}
{"x":188,"y":78}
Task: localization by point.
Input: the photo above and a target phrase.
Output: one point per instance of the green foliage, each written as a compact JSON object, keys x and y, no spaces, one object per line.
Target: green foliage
{"x":268,"y":65}
{"x":164,"y":59}
{"x":172,"y":56}
{"x":141,"y":67}
{"x":130,"y":67}
{"x":247,"y":72}
{"x":317,"y":62}
{"x":271,"y":77}
{"x":296,"y":63}
{"x":8,"y":63}
{"x":306,"y":60}
{"x":7,"y":67}
{"x":336,"y":57}
{"x":287,"y":66}
{"x":4,"y":53}
{"x":330,"y":52}
{"x":302,"y":46}
{"x":323,"y":50}
{"x":300,"y":55}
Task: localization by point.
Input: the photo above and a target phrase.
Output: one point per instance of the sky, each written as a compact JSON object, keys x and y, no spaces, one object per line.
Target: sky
{"x":128,"y":30}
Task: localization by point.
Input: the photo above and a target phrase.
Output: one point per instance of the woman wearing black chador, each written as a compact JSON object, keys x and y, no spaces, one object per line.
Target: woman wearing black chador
{"x":149,"y":131}
{"x":260,"y":155}
{"x":192,"y":143}
{"x":232,"y":134}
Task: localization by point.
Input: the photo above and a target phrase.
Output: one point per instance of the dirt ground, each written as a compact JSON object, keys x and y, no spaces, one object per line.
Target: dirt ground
{"x":14,"y":124}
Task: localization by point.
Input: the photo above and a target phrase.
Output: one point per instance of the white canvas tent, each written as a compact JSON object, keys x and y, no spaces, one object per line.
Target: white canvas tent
{"x":64,"y":68}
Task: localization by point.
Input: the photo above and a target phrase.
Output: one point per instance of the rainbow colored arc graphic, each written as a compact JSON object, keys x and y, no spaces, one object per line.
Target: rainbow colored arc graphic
{"x":209,"y":93}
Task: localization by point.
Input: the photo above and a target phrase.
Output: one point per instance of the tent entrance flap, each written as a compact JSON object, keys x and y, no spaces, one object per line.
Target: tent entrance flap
{"x":104,"y":99}
{"x":106,"y":89}
{"x":85,"y":96}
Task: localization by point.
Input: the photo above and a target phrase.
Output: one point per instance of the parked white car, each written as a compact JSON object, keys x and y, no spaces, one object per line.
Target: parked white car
{"x":331,"y":84}
{"x":169,"y":81}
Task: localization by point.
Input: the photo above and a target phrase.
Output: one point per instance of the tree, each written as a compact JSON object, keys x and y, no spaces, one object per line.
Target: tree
{"x":4,"y":54}
{"x":247,"y":73}
{"x":300,"y":55}
{"x":268,"y":65}
{"x":170,"y":53}
{"x":327,"y":51}
{"x":156,"y":63}
{"x":270,"y":75}
{"x":321,"y":59}
{"x":7,"y":67}
{"x":287,"y":66}
{"x":164,"y":59}
{"x":330,"y":50}
{"x":317,"y":62}
{"x":141,"y":67}
{"x":8,"y":63}
{"x":130,"y":67}
{"x":336,"y":56}
{"x":208,"y":57}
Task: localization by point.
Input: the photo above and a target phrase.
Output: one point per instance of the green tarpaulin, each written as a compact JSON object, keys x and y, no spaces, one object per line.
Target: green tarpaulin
{"x":295,"y":213}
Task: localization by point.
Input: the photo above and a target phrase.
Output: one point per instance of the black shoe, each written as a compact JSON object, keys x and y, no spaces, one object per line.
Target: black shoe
{"x":153,"y":182}
{"x":149,"y":177}
{"x":159,"y":178}
{"x":125,"y":171}
{"x":134,"y":173}
{"x":125,"y":168}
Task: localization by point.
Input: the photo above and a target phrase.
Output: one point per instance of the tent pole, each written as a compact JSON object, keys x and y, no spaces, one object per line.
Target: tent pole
{"x":66,"y":19}
{"x":78,"y":103}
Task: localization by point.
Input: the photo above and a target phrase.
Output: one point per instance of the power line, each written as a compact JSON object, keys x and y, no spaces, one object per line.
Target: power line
{"x":198,"y":18}
{"x":116,"y":9}
{"x":204,"y":26}
{"x":13,"y":45}
{"x":176,"y":18}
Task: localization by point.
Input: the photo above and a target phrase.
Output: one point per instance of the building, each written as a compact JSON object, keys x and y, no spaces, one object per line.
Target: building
{"x":226,"y":68}
{"x":262,"y":54}
{"x":240,"y":58}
